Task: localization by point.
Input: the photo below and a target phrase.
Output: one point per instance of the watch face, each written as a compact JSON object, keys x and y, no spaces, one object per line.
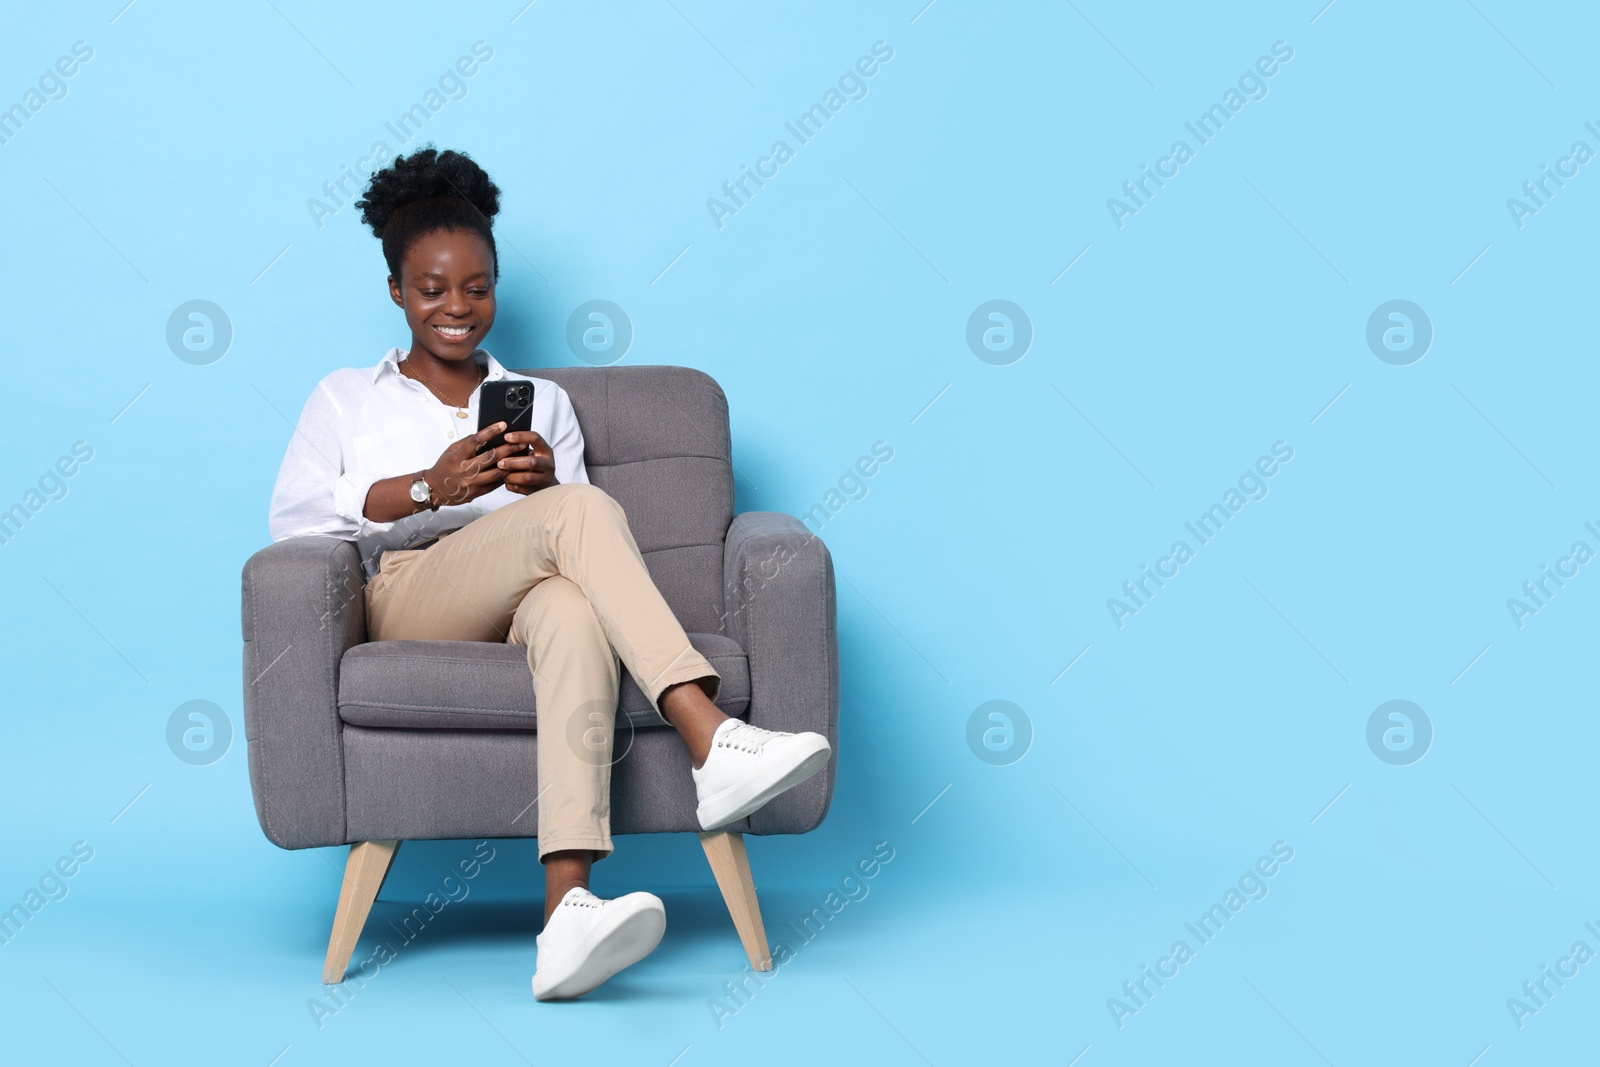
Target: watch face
{"x":419,"y":491}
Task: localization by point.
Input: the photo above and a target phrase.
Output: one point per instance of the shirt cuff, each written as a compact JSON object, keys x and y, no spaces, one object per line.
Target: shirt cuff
{"x":350,"y":500}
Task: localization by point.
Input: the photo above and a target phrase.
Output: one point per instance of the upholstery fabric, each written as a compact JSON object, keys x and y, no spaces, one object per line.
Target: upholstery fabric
{"x":302,"y":608}
{"x":781,"y":611}
{"x":411,"y":784}
{"x":480,"y":685}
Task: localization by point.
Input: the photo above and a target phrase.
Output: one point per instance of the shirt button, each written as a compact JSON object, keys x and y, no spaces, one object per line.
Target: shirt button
{"x":449,"y":433}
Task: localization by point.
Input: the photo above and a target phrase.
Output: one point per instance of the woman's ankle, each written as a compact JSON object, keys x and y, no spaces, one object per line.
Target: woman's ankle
{"x":563,"y":872}
{"x":690,"y":711}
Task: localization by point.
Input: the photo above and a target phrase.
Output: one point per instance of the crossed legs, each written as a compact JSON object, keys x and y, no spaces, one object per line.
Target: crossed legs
{"x":560,"y":573}
{"x":575,"y":680}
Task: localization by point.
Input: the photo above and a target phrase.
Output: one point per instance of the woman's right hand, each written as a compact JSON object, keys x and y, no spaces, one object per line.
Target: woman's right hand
{"x":462,"y":474}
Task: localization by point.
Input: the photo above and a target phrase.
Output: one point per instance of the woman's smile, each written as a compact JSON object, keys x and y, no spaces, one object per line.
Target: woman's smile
{"x":454,"y":333}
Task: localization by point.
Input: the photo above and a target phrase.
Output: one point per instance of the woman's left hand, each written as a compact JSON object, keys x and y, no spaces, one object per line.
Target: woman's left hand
{"x":530,"y":471}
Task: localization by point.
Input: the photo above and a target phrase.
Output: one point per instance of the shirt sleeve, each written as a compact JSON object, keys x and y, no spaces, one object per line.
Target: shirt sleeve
{"x":315,"y":494}
{"x":567,"y":444}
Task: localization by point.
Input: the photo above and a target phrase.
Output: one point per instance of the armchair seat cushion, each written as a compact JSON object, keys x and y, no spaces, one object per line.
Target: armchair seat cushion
{"x":483,"y":685}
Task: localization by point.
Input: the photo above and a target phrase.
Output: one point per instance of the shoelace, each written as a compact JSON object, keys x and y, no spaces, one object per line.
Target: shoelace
{"x":746,"y":738}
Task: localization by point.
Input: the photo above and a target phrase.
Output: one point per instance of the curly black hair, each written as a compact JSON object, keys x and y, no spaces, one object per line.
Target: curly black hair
{"x":425,"y":192}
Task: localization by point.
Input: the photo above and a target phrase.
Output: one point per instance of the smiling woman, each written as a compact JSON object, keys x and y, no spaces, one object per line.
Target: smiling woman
{"x":535,"y":557}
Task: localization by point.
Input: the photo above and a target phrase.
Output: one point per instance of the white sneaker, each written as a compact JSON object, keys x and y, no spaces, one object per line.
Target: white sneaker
{"x":587,"y":940}
{"x":748,"y":766}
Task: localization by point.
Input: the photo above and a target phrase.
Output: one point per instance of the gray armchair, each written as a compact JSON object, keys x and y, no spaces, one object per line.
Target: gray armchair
{"x":373,"y":743}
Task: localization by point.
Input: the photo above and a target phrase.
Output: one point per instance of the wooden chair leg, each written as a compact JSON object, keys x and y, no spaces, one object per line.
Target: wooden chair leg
{"x":364,"y":872}
{"x":731,"y":866}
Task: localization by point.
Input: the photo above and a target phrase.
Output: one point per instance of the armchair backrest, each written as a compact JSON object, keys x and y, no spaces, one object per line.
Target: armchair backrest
{"x":656,"y":439}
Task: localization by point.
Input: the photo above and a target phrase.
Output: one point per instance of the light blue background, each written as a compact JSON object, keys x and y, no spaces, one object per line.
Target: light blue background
{"x":1223,"y":317}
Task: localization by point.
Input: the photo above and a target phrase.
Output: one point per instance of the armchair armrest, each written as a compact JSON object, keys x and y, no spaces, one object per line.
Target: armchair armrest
{"x":303,"y":607}
{"x":780,"y":607}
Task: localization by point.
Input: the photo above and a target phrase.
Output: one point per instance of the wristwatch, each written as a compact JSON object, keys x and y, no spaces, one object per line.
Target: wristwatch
{"x":422,"y":493}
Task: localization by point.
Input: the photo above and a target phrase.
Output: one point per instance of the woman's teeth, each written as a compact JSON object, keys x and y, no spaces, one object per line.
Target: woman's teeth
{"x":455,"y":333}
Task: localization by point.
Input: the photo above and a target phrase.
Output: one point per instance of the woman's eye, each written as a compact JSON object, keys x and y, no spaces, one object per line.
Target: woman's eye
{"x":478,"y":293}
{"x":432,"y":294}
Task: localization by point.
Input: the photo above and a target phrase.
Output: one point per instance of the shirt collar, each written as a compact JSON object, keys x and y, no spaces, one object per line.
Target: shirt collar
{"x":392,"y":358}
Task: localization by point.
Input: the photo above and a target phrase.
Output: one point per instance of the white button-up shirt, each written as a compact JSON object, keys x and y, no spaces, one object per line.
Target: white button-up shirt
{"x":361,"y":426}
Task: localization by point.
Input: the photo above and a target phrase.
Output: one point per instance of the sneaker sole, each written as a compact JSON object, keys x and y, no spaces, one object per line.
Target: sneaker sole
{"x":735,"y":803}
{"x":632,"y":937}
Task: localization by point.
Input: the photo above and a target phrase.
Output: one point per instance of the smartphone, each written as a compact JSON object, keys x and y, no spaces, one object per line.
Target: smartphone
{"x":510,"y":402}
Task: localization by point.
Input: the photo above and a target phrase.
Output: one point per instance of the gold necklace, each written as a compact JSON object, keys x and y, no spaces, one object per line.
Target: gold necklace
{"x":461,"y":410}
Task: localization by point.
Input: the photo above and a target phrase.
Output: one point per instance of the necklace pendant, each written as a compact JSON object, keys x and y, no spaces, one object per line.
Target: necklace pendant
{"x":461,"y":413}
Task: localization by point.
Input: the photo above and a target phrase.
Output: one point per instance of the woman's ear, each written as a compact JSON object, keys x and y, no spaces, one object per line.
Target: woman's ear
{"x":395,"y":294}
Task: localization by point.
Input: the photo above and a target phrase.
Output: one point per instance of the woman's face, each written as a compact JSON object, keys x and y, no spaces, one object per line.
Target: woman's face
{"x":446,"y":289}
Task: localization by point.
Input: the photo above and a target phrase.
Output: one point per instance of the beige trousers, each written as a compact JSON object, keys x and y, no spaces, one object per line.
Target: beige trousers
{"x":560,"y":573}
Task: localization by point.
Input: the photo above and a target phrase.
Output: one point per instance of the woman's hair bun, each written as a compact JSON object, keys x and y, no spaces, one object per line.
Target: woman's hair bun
{"x":427,"y":174}
{"x":428,"y":190}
